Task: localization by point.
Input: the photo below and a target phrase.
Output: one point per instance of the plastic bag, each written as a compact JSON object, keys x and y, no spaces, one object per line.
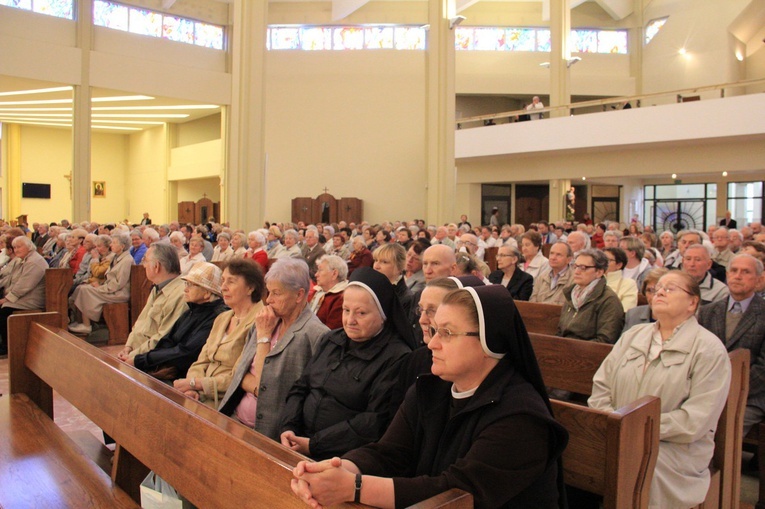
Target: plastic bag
{"x":156,"y":493}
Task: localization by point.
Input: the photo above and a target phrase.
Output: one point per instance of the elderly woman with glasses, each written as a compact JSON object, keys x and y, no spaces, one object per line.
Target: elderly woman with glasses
{"x":592,"y":310}
{"x":535,"y":262}
{"x":520,"y":284}
{"x":686,"y":366}
{"x":642,"y":314}
{"x":481,"y":422}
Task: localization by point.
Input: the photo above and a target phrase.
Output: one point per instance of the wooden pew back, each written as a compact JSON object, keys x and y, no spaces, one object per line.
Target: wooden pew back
{"x":538,"y":317}
{"x":58,"y":282}
{"x":571,"y":364}
{"x":210,"y":459}
{"x":612,"y":454}
{"x":140,"y":288}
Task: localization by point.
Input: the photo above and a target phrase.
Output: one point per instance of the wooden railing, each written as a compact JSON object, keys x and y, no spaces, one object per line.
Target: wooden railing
{"x":636,"y":99}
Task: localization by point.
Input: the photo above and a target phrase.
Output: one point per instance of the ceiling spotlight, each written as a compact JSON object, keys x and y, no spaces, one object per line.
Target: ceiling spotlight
{"x":682,"y":51}
{"x":674,"y":175}
{"x":584,"y":178}
{"x":739,"y":56}
{"x":456,"y":20}
{"x":725,"y":174}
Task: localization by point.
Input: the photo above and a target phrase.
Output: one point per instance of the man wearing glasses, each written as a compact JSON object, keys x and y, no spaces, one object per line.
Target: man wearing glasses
{"x":592,"y":311}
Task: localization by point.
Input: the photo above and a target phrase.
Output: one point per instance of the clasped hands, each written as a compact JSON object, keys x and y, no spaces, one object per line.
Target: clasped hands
{"x":324,"y":483}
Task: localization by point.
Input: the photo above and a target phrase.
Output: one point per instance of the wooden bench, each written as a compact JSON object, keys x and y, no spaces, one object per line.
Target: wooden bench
{"x":120,"y":317}
{"x":213,"y":461}
{"x":755,"y":441}
{"x":570,"y":364}
{"x":538,"y":317}
{"x":490,"y":257}
{"x":58,"y":282}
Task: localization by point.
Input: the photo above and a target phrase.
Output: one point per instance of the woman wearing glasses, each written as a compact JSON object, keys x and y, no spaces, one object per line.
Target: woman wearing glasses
{"x":481,"y":422}
{"x":592,"y":310}
{"x":518,"y":283}
{"x":686,"y":366}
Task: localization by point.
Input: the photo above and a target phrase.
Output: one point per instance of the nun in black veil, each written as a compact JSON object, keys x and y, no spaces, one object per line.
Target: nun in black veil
{"x":342,"y":399}
{"x":482,"y":422}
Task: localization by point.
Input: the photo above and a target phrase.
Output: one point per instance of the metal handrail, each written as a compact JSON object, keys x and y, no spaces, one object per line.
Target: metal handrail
{"x":612,"y":100}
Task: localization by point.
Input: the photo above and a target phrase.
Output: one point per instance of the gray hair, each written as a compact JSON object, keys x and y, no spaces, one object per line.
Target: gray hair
{"x":152,"y":234}
{"x":167,"y":256}
{"x":178,"y":235}
{"x":690,"y":232}
{"x":259,"y":237}
{"x":26,"y":241}
{"x":613,"y":233}
{"x":635,"y":245}
{"x":757,"y":263}
{"x":123,"y":238}
{"x":102,"y":240}
{"x":740,"y":235}
{"x":598,"y":258}
{"x":224,"y":235}
{"x":197,"y":240}
{"x":293,"y":234}
{"x":292,"y":273}
{"x":334,"y":262}
{"x":706,"y":249}
{"x":136,"y":233}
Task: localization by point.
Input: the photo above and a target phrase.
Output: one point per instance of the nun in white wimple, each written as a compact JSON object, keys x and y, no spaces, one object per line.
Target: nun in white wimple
{"x":481,"y":422}
{"x":342,"y":400}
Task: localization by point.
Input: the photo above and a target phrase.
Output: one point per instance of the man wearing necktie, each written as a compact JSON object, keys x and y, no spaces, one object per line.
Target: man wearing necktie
{"x":739,"y":322}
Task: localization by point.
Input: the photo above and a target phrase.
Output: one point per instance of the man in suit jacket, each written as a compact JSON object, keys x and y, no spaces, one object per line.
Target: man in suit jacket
{"x":312,"y":250}
{"x":728,"y":222}
{"x":739,"y":321}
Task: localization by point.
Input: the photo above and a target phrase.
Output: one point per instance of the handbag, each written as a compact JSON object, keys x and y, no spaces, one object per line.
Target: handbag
{"x":156,"y":493}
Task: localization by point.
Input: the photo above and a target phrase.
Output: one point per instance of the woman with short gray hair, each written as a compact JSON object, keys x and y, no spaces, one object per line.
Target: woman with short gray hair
{"x":223,"y":250}
{"x":196,"y":246}
{"x":331,"y":281}
{"x":285,"y":337}
{"x":89,"y":300}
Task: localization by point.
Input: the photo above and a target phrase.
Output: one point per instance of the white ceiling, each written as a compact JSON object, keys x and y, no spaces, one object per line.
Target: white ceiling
{"x":34,"y":102}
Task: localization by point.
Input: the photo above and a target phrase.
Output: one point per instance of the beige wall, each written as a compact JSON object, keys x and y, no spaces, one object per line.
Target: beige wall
{"x":146,"y":179}
{"x":46,"y":156}
{"x":351,"y":121}
{"x":109,"y":163}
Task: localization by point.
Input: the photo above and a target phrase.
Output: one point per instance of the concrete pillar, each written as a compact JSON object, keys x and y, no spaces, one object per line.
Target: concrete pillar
{"x":244,"y":174}
{"x":558,"y":190}
{"x":81,"y":124}
{"x":440,"y":97}
{"x":560,"y":33}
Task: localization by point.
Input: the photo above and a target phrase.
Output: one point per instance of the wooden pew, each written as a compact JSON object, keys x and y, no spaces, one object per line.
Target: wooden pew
{"x":490,"y":257}
{"x":538,"y":317}
{"x":120,"y":317}
{"x":570,"y":364}
{"x":58,"y":282}
{"x":213,"y":461}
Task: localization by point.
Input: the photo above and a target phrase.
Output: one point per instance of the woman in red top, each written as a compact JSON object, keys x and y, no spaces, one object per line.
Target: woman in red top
{"x":361,"y":255}
{"x":257,"y":253}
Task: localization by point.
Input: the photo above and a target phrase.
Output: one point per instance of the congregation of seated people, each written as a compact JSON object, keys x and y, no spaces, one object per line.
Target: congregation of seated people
{"x":332,"y":339}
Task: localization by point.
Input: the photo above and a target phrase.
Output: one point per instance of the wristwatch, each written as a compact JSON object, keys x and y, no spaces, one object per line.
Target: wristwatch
{"x":264,"y":340}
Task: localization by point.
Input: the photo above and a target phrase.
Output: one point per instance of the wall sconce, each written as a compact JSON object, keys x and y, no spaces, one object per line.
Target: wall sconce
{"x":455,"y":21}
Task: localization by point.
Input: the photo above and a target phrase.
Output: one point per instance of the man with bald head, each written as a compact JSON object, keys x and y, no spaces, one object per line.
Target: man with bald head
{"x":577,"y":241}
{"x":722,"y":254}
{"x":696,"y":263}
{"x":442,"y":237}
{"x":549,"y":285}
{"x":438,"y":261}
{"x":469,"y":244}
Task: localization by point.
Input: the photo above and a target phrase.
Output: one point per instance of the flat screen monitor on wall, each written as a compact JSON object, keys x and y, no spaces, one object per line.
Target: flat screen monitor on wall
{"x":29,"y":190}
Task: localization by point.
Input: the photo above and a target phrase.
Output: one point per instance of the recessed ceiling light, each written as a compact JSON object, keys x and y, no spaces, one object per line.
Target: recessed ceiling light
{"x":725,"y":174}
{"x":674,"y":175}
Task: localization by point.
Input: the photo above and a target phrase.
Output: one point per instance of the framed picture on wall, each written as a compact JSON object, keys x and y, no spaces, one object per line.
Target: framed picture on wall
{"x":99,"y":189}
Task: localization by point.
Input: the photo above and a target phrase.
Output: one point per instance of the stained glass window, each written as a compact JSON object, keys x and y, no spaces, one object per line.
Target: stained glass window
{"x":612,"y":41}
{"x":110,"y":15}
{"x":18,"y":4}
{"x":178,"y":29}
{"x":584,"y":41}
{"x":209,"y":36}
{"x":315,"y":38}
{"x":463,"y":38}
{"x":284,"y":38}
{"x":348,"y":38}
{"x":544,"y":43}
{"x":519,"y":39}
{"x":57,"y":8}
{"x":409,"y":38}
{"x":378,"y":37}
{"x":145,"y":22}
{"x":653,"y":27}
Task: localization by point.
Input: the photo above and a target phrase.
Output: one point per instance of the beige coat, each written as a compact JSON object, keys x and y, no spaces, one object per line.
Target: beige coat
{"x":692,"y":378}
{"x":162,"y":310}
{"x":90,"y":300}
{"x":543,"y":292}
{"x":215,"y":366}
{"x":624,"y":288}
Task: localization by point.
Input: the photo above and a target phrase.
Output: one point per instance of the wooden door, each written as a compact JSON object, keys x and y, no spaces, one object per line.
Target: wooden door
{"x":325,"y":209}
{"x":302,"y":210}
{"x":532,"y":203}
{"x":203,"y":211}
{"x":351,"y":210}
{"x":186,"y":212}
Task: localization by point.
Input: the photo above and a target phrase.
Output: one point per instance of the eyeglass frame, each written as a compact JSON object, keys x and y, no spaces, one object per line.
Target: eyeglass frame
{"x":449,"y":334}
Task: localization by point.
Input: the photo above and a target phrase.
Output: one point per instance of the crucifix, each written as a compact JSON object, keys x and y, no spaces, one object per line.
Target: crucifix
{"x":326,"y":190}
{"x":68,"y":176}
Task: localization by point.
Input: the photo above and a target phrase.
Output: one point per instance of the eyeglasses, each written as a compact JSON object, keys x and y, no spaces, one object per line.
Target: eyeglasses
{"x":650,"y":289}
{"x":583,"y":267}
{"x":502,"y":255}
{"x":447,"y":334}
{"x":670,"y":289}
{"x":430,"y":312}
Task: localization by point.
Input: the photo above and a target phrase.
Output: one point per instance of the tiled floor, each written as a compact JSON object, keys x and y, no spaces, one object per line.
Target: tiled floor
{"x":70,"y":419}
